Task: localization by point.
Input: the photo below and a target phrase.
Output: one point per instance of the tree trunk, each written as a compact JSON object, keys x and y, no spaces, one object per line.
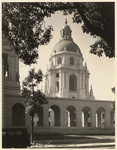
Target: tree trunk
{"x":32,"y":129}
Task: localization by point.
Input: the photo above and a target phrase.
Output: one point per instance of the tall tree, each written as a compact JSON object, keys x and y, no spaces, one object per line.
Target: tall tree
{"x":34,"y":98}
{"x":23,"y":24}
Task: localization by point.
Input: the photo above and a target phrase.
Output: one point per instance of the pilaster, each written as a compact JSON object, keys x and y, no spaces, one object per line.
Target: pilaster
{"x":62,"y":118}
{"x":46,"y":117}
{"x":93,"y":118}
{"x":79,"y":118}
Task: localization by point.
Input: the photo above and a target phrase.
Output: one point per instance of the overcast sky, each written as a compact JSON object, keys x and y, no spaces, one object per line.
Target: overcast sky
{"x":101,"y":68}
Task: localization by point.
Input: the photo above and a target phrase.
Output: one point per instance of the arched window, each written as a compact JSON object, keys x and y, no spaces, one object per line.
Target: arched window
{"x":59,"y":60}
{"x":73,"y":83}
{"x":57,"y":86}
{"x":18,"y":115}
{"x":71,"y":61}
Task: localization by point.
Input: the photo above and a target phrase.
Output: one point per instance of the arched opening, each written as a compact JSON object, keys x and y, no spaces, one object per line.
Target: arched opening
{"x":71,"y":61}
{"x":54,"y":116}
{"x":18,"y":115}
{"x":112,"y":117}
{"x":59,"y":61}
{"x":86,"y":117}
{"x":73,"y":83}
{"x":40,"y":116}
{"x":70,"y":116}
{"x":57,"y":86}
{"x":101,"y":117}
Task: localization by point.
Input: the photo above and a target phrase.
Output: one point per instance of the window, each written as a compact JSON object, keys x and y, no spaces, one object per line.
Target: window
{"x":103,"y":116}
{"x":73,"y":83}
{"x":59,"y":61}
{"x":88,"y":115}
{"x":57,"y":75}
{"x":6,"y":67}
{"x":63,"y":33}
{"x":57,"y":86}
{"x":71,"y":61}
{"x":67,"y":34}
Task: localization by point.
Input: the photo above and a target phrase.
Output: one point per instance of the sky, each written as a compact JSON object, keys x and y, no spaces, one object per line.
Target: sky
{"x":102,"y":69}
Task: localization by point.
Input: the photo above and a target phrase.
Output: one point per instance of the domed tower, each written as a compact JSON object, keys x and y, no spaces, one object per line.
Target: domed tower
{"x":67,"y":77}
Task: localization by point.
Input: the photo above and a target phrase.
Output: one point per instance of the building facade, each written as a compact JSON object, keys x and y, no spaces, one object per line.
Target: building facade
{"x":72,"y":108}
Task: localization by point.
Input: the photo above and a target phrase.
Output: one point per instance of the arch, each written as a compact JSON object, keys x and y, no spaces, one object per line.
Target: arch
{"x":112,"y":117}
{"x":101,"y":117}
{"x":73,"y":82}
{"x":71,"y":61}
{"x":86,"y":117}
{"x":54,"y":116}
{"x":40,"y":116}
{"x":59,"y":60}
{"x":70,"y":116}
{"x":18,"y":115}
{"x":57,"y":86}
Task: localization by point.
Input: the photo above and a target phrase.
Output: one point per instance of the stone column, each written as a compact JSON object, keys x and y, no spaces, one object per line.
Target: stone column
{"x":46,"y":116}
{"x":93,"y":117}
{"x":64,"y":79}
{"x":60,"y":83}
{"x":79,"y":118}
{"x":107,"y":119}
{"x":3,"y":119}
{"x":62,"y":118}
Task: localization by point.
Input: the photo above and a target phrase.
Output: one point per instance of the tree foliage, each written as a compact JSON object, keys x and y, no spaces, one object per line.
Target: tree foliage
{"x":98,"y":20}
{"x":23,"y":24}
{"x":34,"y":98}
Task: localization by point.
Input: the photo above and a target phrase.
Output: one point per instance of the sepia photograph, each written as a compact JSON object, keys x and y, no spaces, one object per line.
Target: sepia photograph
{"x":58,"y":74}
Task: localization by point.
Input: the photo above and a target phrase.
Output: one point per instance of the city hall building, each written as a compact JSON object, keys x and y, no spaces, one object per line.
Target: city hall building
{"x":71,"y":108}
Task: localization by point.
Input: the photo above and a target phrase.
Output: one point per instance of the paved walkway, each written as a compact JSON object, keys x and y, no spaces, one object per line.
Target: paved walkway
{"x":82,"y":142}
{"x":91,"y":145}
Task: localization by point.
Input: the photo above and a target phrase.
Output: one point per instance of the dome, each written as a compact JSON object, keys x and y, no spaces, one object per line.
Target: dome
{"x":66,"y":27}
{"x":66,"y":44}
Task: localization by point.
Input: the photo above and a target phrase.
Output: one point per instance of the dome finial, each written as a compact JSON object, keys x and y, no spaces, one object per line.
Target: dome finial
{"x":66,"y":21}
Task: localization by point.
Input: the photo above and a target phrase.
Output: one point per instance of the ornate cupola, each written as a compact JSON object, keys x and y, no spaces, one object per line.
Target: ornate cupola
{"x":67,"y":77}
{"x":66,"y":31}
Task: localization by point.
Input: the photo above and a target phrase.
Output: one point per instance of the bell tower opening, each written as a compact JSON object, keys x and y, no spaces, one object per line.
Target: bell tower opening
{"x":66,"y":31}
